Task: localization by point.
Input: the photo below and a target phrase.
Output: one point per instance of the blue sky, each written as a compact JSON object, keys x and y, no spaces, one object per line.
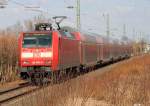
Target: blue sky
{"x":134,"y":13}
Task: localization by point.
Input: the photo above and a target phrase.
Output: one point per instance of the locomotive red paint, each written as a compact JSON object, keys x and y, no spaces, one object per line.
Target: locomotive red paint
{"x":54,"y":51}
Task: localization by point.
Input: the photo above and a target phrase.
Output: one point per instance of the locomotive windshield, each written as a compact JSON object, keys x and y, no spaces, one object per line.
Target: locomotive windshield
{"x":37,"y":40}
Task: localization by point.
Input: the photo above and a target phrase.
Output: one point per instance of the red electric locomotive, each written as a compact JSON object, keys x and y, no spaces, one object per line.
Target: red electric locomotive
{"x":45,"y":52}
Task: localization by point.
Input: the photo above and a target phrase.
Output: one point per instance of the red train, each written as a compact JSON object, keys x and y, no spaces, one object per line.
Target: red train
{"x":42,"y":53}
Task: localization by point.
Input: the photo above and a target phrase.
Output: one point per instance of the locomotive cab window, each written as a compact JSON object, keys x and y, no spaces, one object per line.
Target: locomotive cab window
{"x":37,"y":40}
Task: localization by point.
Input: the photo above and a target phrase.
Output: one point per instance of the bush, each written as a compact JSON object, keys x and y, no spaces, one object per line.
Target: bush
{"x":8,"y":57}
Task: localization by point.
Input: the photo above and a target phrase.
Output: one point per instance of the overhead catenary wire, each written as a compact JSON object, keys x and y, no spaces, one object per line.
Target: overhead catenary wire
{"x":16,"y":2}
{"x":22,"y":4}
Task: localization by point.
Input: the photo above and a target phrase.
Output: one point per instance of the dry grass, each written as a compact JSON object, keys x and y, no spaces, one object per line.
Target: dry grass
{"x":8,"y":57}
{"x":126,"y":84}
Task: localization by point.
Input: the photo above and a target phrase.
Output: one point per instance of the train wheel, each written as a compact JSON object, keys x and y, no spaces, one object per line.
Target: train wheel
{"x":61,"y":75}
{"x":78,"y":71}
{"x":33,"y":80}
{"x":37,"y":79}
{"x":54,"y":77}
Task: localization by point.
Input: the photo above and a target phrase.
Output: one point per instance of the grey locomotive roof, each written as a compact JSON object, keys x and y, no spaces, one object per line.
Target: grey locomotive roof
{"x":70,"y":29}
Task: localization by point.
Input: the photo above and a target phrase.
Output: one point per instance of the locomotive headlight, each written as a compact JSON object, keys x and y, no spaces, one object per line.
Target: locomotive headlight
{"x":25,"y":62}
{"x":27,"y":55}
{"x":46,"y":54}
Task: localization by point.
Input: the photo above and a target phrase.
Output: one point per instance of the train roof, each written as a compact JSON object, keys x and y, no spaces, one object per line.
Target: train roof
{"x":85,"y":36}
{"x":70,"y":29}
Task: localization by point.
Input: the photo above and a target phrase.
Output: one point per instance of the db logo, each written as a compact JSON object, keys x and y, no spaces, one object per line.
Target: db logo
{"x":36,"y":54}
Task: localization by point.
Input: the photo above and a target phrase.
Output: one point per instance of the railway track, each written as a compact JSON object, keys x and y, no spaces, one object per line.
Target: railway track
{"x":9,"y":89}
{"x":23,"y":89}
{"x":10,"y":94}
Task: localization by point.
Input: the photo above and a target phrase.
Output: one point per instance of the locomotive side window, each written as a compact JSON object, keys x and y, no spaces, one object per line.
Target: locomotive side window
{"x":37,"y":40}
{"x":67,"y":34}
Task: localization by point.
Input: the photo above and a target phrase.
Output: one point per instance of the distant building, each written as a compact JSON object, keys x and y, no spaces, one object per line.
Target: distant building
{"x":140,"y":48}
{"x":147,"y":48}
